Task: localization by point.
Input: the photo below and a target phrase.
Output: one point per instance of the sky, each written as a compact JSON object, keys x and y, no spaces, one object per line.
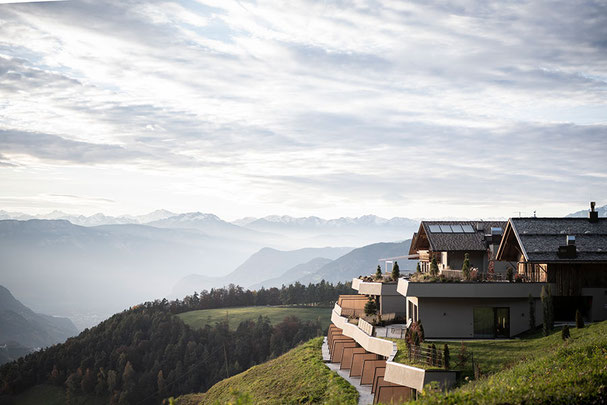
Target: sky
{"x":417,"y":109}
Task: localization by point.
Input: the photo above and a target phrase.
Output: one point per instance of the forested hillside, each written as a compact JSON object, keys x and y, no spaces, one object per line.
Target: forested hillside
{"x":146,"y":353}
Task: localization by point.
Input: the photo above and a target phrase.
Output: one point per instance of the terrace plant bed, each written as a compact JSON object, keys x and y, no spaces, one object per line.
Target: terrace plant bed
{"x":383,"y":280}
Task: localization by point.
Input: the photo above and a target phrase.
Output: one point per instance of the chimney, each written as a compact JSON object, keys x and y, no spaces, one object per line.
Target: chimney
{"x":496,"y":235}
{"x":568,"y":251}
{"x":593,"y":216}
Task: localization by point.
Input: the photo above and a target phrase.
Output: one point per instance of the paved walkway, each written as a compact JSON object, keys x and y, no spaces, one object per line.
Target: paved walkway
{"x":365,"y":397}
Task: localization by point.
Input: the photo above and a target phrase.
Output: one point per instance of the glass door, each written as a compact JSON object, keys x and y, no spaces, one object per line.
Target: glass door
{"x":491,"y":322}
{"x":502,"y":322}
{"x":484,"y":323}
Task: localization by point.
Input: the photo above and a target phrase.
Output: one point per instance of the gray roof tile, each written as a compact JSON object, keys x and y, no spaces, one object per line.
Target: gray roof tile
{"x":468,"y":242}
{"x":541,"y":238}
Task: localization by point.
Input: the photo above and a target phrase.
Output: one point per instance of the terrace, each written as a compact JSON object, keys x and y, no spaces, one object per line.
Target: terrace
{"x":372,"y":359}
{"x":468,"y":289}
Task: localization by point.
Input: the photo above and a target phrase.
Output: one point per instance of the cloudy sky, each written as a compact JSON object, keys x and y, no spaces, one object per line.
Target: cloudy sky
{"x":327,"y":108}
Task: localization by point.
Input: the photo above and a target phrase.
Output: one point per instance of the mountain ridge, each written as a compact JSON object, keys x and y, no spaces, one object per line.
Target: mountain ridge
{"x":20,"y":324}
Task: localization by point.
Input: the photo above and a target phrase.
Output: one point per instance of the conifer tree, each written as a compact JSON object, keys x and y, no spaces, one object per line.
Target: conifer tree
{"x":378,"y":274}
{"x":565,"y":333}
{"x":87,"y":385}
{"x":161,"y":385}
{"x":395,"y":271}
{"x":418,"y":269}
{"x":420,"y":328}
{"x":510,"y":274}
{"x":446,"y":357}
{"x":370,"y":307}
{"x":434,"y":267}
{"x":579,"y":321}
{"x":466,"y":267}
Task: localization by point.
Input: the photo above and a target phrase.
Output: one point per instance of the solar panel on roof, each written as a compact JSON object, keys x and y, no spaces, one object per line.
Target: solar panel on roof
{"x":468,"y":228}
{"x":446,"y":229}
{"x":457,"y":228}
{"x":435,"y":228}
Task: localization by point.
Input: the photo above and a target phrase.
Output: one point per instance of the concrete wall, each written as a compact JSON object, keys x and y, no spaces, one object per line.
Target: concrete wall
{"x":453,"y":317}
{"x":417,"y":378}
{"x":382,"y":347}
{"x":455,"y":260}
{"x":598,"y":311}
{"x":393,"y":304}
{"x":470,"y":289}
{"x":390,"y":301}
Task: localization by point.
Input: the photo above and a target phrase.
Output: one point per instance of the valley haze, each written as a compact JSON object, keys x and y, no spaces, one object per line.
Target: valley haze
{"x":87,"y":268}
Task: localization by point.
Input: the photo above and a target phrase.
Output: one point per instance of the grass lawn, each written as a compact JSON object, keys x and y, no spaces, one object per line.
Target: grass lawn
{"x":297,"y":377}
{"x":495,"y":355}
{"x":536,"y":370}
{"x":197,"y":319}
{"x":49,"y":395}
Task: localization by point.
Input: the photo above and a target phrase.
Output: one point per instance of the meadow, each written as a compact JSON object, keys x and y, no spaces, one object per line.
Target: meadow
{"x":200,"y":318}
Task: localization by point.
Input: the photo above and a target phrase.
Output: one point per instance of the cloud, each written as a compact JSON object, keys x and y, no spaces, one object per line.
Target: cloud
{"x":405,"y":101}
{"x":54,"y":147}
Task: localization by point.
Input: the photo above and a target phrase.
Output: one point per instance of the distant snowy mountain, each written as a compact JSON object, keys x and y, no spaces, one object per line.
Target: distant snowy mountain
{"x":348,"y":231}
{"x":210,"y":224}
{"x":584,"y":213}
{"x":276,"y":221}
{"x":92,"y":220}
{"x":244,"y":221}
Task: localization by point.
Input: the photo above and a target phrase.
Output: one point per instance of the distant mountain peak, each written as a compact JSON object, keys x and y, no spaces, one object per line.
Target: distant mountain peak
{"x":584,"y":213}
{"x":200,"y":216}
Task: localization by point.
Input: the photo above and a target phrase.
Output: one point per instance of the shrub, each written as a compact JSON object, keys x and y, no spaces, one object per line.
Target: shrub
{"x":579,"y":321}
{"x":463,"y":355}
{"x":416,"y":330}
{"x":509,"y":274}
{"x":565,"y":334}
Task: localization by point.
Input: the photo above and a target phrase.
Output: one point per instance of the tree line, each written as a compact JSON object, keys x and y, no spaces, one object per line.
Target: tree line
{"x":145,"y":354}
{"x":320,"y":294}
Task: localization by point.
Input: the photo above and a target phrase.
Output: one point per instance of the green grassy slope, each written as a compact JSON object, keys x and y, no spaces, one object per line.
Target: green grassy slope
{"x":537,"y":370}
{"x":197,"y":319}
{"x":297,"y":377}
{"x":495,"y":355}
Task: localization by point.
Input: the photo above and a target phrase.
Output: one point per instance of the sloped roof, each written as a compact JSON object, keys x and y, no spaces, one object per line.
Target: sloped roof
{"x":456,"y":241}
{"x":413,"y":244}
{"x":540,"y":238}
